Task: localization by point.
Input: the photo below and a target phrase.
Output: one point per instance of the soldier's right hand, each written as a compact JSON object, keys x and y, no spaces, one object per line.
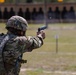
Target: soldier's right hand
{"x":41,"y":34}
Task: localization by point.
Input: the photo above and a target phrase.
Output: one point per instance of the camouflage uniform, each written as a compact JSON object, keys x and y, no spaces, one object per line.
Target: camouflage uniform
{"x":15,"y":47}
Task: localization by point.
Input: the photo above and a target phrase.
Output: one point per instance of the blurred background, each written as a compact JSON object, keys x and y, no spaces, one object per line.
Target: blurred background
{"x":35,"y":11}
{"x":58,"y":54}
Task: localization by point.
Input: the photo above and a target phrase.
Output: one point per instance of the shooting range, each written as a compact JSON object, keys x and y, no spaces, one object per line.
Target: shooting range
{"x":58,"y":20}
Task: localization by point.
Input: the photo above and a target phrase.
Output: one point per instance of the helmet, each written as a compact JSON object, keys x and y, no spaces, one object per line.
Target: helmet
{"x":17,"y":22}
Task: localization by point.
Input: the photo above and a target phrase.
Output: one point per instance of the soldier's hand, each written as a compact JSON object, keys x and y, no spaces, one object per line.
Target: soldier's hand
{"x":41,"y":34}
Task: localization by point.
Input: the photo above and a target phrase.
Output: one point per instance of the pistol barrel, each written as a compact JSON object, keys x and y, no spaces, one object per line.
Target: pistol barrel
{"x":42,"y":28}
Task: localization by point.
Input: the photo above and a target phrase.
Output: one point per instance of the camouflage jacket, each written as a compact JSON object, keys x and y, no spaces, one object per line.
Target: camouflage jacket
{"x":16,"y":46}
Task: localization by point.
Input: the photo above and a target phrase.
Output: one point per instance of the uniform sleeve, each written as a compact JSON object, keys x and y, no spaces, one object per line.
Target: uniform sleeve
{"x":34,"y":42}
{"x":29,"y":43}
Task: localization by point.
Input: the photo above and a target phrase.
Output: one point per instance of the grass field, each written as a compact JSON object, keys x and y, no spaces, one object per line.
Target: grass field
{"x":45,"y":60}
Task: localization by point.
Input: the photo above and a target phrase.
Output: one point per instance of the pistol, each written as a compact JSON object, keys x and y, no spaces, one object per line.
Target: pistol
{"x":42,"y":28}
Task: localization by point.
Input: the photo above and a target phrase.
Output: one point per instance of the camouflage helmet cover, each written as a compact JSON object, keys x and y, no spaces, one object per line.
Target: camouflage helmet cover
{"x":17,"y":22}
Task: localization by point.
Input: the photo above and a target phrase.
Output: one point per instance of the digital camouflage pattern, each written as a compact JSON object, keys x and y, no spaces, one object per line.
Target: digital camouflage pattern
{"x":3,"y":40}
{"x":14,"y":48}
{"x":17,"y":22}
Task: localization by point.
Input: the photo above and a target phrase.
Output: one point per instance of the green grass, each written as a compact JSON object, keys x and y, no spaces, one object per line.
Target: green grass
{"x":46,"y":58}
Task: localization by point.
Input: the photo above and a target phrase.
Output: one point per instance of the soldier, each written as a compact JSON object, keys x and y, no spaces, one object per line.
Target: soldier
{"x":18,"y":44}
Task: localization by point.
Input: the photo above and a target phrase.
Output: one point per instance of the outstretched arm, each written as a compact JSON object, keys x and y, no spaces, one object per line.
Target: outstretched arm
{"x":35,"y":42}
